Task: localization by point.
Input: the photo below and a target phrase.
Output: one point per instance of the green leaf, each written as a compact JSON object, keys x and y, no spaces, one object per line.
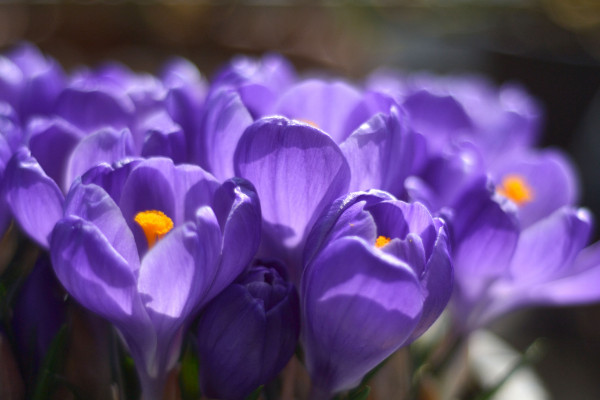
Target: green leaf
{"x":188,"y":375}
{"x":52,"y":364}
{"x":256,"y":394}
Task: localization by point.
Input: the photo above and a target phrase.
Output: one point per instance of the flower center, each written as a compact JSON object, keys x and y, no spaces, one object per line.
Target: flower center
{"x":515,"y":187}
{"x":382,"y":241}
{"x":155,"y":225}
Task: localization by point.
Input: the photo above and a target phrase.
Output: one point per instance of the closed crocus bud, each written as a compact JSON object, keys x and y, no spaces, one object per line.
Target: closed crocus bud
{"x":378,"y":274}
{"x":248,"y":333}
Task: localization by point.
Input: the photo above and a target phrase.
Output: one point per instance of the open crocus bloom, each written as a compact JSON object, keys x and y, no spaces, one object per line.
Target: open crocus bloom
{"x":102,"y":115}
{"x":299,"y":169}
{"x":378,"y":274}
{"x":508,"y":256}
{"x":452,"y":109}
{"x":146,"y":245}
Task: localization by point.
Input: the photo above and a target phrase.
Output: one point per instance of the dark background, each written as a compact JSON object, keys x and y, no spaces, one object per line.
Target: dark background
{"x":552,"y":47}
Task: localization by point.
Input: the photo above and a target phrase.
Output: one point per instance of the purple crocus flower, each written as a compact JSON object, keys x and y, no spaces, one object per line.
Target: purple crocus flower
{"x":186,"y":91}
{"x":264,"y":306}
{"x":10,"y":139}
{"x":146,"y":245}
{"x":315,"y":141}
{"x":448,"y":110}
{"x":30,"y":81}
{"x":378,"y":274}
{"x":103,"y":115}
{"x":507,"y":255}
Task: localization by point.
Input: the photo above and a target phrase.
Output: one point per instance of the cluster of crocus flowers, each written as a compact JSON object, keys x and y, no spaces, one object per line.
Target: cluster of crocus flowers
{"x":262,"y":215}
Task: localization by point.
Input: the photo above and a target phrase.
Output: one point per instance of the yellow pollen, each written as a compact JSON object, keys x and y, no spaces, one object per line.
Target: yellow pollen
{"x":515,"y":188}
{"x":382,"y":241}
{"x":309,"y":122}
{"x":155,"y":225}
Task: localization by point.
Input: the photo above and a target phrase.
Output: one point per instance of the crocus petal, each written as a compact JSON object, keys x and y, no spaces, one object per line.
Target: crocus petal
{"x":382,"y":153}
{"x":43,"y":80}
{"x":437,"y":279}
{"x":415,"y":217}
{"x":11,"y":81}
{"x":353,"y":317}
{"x":146,"y":188}
{"x":94,"y":273}
{"x":237,"y":209}
{"x":157,"y":184}
{"x":445,"y":178}
{"x":190,"y":254}
{"x":580,"y":286}
{"x":105,"y":145}
{"x":186,"y":90}
{"x":34,"y":199}
{"x":297,"y":170}
{"x":327,"y":105}
{"x":92,"y":104}
{"x":437,"y":116}
{"x":163,"y":137}
{"x":548,"y":195}
{"x":486,"y":233}
{"x":410,"y":250}
{"x":93,"y":204}
{"x":548,"y":247}
{"x":345,"y":217}
{"x":51,"y":141}
{"x":10,"y":126}
{"x":236,"y":313}
{"x":224,"y":120}
{"x":111,"y":177}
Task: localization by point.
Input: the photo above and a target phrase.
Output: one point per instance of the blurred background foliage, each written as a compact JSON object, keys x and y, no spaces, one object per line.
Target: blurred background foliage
{"x":552,"y":47}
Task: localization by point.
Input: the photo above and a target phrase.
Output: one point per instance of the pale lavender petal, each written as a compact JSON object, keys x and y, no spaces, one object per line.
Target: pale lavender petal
{"x":191,"y":254}
{"x":43,"y":81}
{"x":11,"y":81}
{"x":414,"y":218}
{"x":383,"y":152}
{"x":34,"y":199}
{"x":106,"y":145}
{"x":353,"y":317}
{"x":437,"y":278}
{"x":580,"y":285}
{"x":95,"y":274}
{"x":186,"y":91}
{"x":10,"y":126}
{"x":92,"y":104}
{"x":485,"y":233}
{"x":410,"y":250}
{"x":111,"y":177}
{"x":224,"y":120}
{"x":345,"y":217}
{"x":547,"y":248}
{"x":327,"y":105}
{"x":51,"y":141}
{"x":163,"y":137}
{"x":91,"y":203}
{"x":547,"y":195}
{"x":157,"y":184}
{"x":438,"y":117}
{"x":297,"y":171}
{"x":237,"y":209}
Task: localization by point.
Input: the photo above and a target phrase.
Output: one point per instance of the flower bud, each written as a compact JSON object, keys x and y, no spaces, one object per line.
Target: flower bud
{"x":248,"y":333}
